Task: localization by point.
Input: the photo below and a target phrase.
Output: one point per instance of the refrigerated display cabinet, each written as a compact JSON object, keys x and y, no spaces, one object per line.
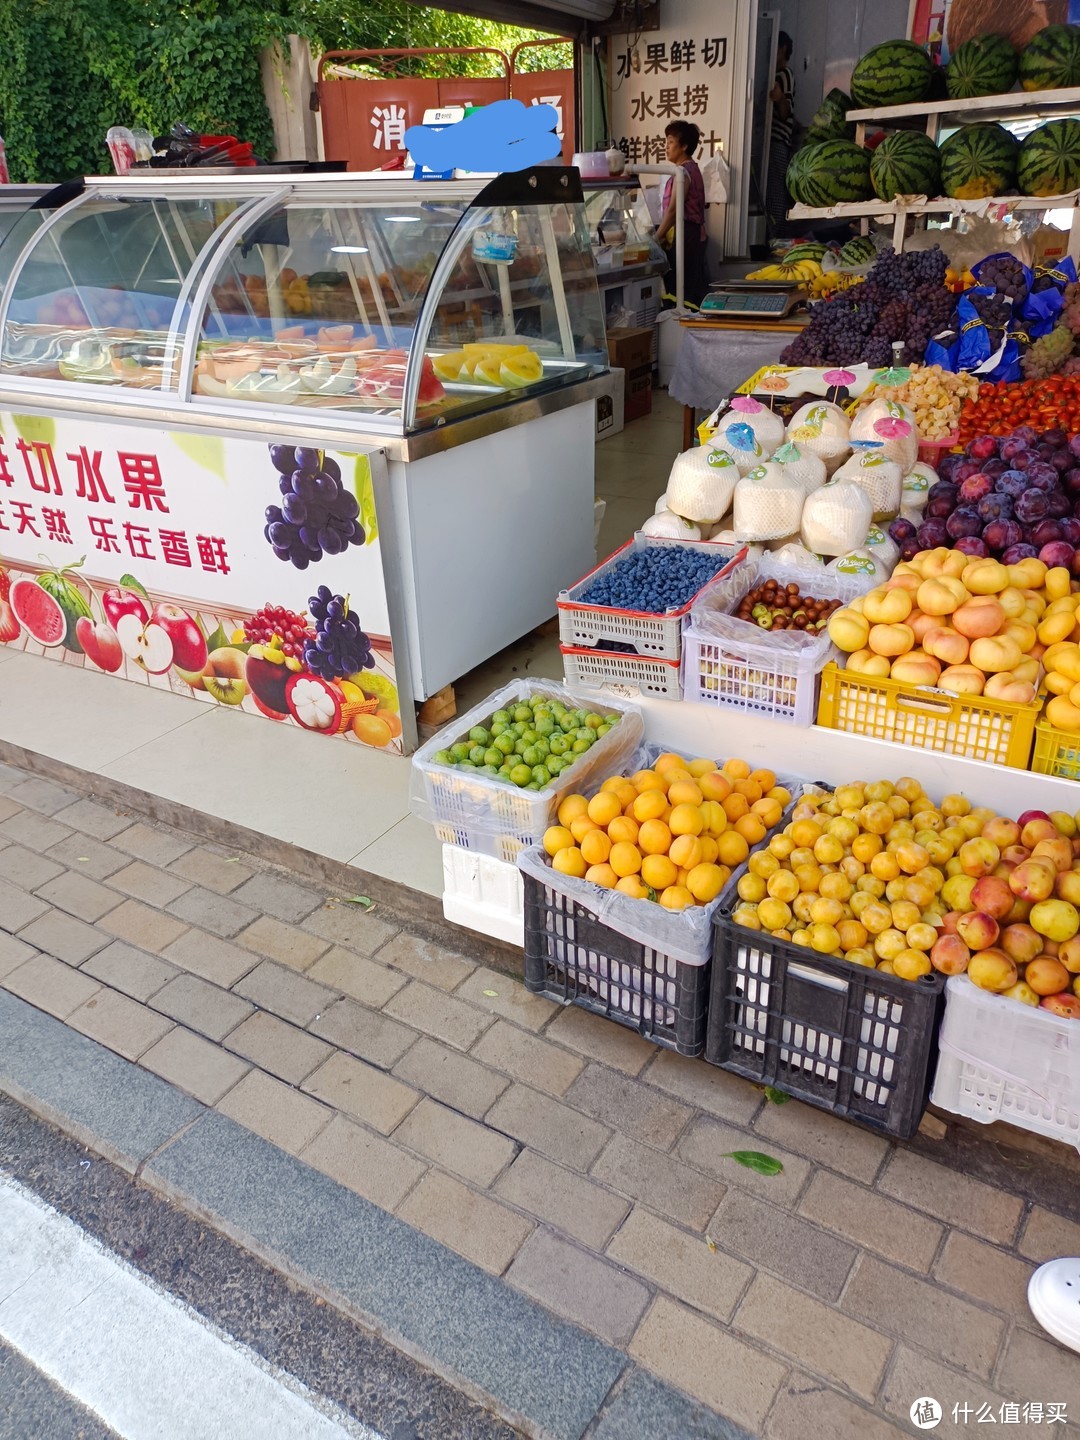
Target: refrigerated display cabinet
{"x":451,"y":331}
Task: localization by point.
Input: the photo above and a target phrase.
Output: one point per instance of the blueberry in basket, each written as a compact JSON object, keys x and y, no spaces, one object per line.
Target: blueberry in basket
{"x":654,"y":581}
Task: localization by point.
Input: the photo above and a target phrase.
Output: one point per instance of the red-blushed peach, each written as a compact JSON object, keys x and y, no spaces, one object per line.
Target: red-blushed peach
{"x":1015,"y":854}
{"x":979,"y":618}
{"x":1033,"y":880}
{"x":978,"y":856}
{"x":903,"y":579}
{"x":994,"y":653}
{"x":1065,"y":1005}
{"x":920,"y":625}
{"x":1046,"y":976}
{"x":992,"y":895}
{"x":1002,"y":831}
{"x":916,"y":668}
{"x":962,"y":680}
{"x":950,"y":955}
{"x":1021,"y":943}
{"x":949,"y":921}
{"x":886,"y":607}
{"x":1005,"y":686}
{"x":1057,"y":852}
{"x":977,"y":930}
{"x":1034,"y":830}
{"x":891,"y":640}
{"x":1020,"y":911}
{"x":1069,"y":955}
{"x":992,"y":970}
{"x":946,"y":644}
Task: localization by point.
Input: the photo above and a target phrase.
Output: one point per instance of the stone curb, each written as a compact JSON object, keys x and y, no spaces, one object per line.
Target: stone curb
{"x":538,"y":1372}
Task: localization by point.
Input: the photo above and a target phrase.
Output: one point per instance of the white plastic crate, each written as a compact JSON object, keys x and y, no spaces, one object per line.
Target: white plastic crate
{"x":478,"y":812}
{"x":744,"y":672}
{"x":657,"y":637}
{"x":609,"y":672}
{"x":483,"y":894}
{"x":1000,"y":1060}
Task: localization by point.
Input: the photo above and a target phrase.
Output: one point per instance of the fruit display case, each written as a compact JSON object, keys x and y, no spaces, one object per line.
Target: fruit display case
{"x":1006,"y":1062}
{"x":370,"y":317}
{"x":999,"y":732}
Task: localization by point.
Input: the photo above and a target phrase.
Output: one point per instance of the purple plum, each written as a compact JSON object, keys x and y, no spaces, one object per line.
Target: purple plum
{"x":1032,"y":506}
{"x":1056,"y":437}
{"x":995,"y":467}
{"x":943,"y":489}
{"x":1058,"y":552}
{"x":1045,"y":532}
{"x":1071,"y":481}
{"x":901,"y":530}
{"x":1043,"y":476}
{"x":995,"y":507}
{"x":1061,"y":461}
{"x":964,"y":469}
{"x":1012,"y":483}
{"x":932,"y":533}
{"x":982,"y":447}
{"x":964,"y":521}
{"x":1059,"y":504}
{"x":1001,"y":534}
{"x":909,"y":549}
{"x":947,"y":465}
{"x":1074,"y":445}
{"x":1043,"y":451}
{"x":975,"y":487}
{"x":1026,"y":433}
{"x":972,"y":545}
{"x":1016,"y":553}
{"x":939,"y":508}
{"x":1070,"y":529}
{"x":1013,"y":445}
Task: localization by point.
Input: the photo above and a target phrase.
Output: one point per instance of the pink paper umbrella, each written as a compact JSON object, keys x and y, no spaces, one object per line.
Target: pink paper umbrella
{"x":890,"y":428}
{"x":838,"y":378}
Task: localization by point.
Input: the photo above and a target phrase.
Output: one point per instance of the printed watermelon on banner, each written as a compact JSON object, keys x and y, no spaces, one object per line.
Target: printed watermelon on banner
{"x":977,"y":162}
{"x":905,"y":163}
{"x":983,"y":65}
{"x":896,"y":72}
{"x":10,"y":629}
{"x":1051,"y":59}
{"x":40,"y":615}
{"x":1049,"y":159}
{"x":60,"y":585}
{"x":832,"y":172}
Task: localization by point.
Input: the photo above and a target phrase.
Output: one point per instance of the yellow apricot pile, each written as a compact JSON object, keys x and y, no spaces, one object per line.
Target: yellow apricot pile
{"x":670,"y":834}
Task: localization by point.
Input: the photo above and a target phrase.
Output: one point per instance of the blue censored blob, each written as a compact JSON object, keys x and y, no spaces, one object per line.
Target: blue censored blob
{"x":505,"y":135}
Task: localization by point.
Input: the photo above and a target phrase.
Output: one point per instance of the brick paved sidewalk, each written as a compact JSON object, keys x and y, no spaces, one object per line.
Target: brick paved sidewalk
{"x":580,"y":1163}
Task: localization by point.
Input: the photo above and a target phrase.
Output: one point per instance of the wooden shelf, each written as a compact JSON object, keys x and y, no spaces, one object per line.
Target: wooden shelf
{"x":1013,"y":102}
{"x":942,"y":205}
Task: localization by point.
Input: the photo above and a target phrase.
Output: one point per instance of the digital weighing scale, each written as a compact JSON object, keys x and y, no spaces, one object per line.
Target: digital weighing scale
{"x":751,"y":300}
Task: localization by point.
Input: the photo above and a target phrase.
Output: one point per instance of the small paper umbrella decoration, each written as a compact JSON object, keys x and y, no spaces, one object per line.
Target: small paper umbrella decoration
{"x":890,"y":428}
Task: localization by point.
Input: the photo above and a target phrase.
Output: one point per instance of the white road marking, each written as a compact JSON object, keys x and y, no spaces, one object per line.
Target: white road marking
{"x":141,"y":1360}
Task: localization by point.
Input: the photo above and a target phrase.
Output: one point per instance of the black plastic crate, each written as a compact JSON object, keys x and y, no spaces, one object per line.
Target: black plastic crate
{"x":843,"y":1037}
{"x":572,"y":957}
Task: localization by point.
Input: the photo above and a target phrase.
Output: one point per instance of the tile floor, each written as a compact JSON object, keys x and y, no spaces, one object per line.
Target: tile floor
{"x":231,"y":764}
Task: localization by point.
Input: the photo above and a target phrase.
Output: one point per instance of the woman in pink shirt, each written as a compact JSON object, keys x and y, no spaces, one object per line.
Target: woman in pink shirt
{"x":682,"y":140}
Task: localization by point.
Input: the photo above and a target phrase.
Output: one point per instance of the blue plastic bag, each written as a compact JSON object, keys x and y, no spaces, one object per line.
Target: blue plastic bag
{"x":1042,"y":307}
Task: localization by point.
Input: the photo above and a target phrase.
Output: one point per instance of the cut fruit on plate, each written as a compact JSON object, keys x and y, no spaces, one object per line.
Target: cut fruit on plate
{"x":518,"y":370}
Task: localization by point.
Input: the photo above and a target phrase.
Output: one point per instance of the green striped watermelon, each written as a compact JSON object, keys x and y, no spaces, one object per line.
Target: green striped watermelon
{"x":829,"y":121}
{"x":983,"y":65}
{"x":979,"y":160}
{"x":1049,"y":159}
{"x":859,"y":250}
{"x":906,"y":163}
{"x":1051,"y":59}
{"x":897,"y":72}
{"x":808,"y":250}
{"x":832,"y":172}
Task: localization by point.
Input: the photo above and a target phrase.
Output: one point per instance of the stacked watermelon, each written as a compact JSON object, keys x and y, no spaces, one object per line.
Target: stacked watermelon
{"x":983,"y":65}
{"x":1051,"y":59}
{"x":978,"y":161}
{"x":897,"y":72}
{"x":1049,"y":159}
{"x":905,"y":163}
{"x":829,"y":121}
{"x":830,"y":172}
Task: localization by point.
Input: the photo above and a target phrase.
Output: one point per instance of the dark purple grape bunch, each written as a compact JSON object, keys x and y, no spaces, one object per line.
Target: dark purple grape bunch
{"x":340,"y":647}
{"x":317,"y":516}
{"x":1006,"y":274}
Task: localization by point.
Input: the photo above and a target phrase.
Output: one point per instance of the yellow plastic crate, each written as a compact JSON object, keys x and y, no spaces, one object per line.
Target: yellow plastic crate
{"x":997,"y":731}
{"x":1057,"y":752}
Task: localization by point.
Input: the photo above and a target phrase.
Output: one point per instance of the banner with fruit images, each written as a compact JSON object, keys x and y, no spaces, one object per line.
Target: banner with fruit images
{"x":241,"y":572}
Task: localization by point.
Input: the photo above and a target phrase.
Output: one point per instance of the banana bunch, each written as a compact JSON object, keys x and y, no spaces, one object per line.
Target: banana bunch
{"x":833,"y":280}
{"x":801,"y":272}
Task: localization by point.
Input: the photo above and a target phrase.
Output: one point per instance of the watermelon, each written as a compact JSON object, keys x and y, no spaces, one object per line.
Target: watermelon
{"x":859,"y":250}
{"x":1051,"y":59}
{"x":977,"y":161}
{"x":906,"y":163}
{"x":42,"y":617}
{"x":897,"y":72}
{"x":829,"y":121}
{"x":809,"y":250}
{"x":831,"y":172}
{"x":983,"y":65}
{"x":1049,"y":159}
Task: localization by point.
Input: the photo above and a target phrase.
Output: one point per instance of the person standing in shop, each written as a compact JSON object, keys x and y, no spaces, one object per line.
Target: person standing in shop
{"x":681,"y":142}
{"x":782,"y":96}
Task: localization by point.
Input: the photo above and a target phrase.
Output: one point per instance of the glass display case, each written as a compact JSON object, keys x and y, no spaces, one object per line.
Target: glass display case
{"x":23,"y":208}
{"x":620,"y":225}
{"x":402,"y":305}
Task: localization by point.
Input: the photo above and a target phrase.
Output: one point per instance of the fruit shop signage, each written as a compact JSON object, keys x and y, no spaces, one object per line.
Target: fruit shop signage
{"x":177,"y":559}
{"x":679,"y":72}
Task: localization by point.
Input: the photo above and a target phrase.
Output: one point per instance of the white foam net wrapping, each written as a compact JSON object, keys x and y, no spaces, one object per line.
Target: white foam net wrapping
{"x":768,"y":504}
{"x":835,"y":518}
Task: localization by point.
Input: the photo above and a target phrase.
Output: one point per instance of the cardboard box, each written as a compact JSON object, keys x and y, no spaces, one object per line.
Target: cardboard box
{"x":630,"y":349}
{"x":638,"y":399}
{"x":609,"y":406}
